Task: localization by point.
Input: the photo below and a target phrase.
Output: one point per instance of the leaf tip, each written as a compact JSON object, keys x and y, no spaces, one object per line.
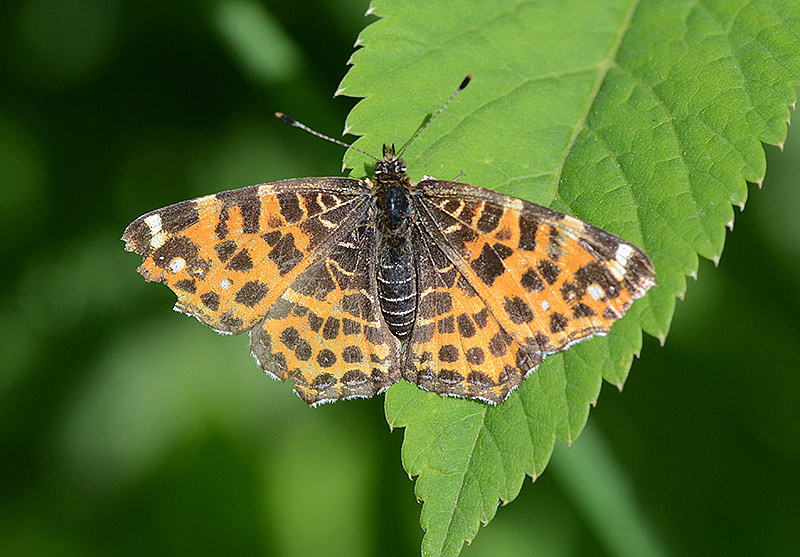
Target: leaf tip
{"x":370,"y":10}
{"x":662,"y":339}
{"x":715,"y":259}
{"x":729,"y":225}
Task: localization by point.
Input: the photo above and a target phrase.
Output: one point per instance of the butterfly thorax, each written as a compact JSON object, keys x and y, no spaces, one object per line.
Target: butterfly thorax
{"x":397,"y":278}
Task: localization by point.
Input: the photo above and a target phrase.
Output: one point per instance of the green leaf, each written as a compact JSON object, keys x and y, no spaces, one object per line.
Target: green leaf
{"x":645,"y":118}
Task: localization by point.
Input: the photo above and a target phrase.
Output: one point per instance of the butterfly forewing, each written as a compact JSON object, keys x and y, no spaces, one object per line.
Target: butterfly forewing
{"x":231,"y":255}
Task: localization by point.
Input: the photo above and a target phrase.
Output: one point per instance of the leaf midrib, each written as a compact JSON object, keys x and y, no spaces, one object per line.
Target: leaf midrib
{"x":604,"y":65}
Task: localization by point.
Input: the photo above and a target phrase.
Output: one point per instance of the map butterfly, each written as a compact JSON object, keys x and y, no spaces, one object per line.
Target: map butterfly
{"x":346,"y":285}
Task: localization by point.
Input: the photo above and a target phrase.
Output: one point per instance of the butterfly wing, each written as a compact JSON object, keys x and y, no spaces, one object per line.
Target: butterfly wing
{"x":547,"y":279}
{"x":231,"y":255}
{"x":458,"y":347}
{"x":326,"y":331}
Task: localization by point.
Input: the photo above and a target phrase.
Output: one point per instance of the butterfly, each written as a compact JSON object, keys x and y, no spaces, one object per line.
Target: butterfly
{"x":346,"y":285}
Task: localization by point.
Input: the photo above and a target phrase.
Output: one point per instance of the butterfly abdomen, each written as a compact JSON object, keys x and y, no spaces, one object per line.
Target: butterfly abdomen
{"x":397,"y":279}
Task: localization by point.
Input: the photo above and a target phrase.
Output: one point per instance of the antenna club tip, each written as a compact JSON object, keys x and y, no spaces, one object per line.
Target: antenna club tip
{"x":284,"y":118}
{"x":465,"y":82}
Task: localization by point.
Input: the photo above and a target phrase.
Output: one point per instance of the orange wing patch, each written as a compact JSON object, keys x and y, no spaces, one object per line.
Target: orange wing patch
{"x":230,"y":256}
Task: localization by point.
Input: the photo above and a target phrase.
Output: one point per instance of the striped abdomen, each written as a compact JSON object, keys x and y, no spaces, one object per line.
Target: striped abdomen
{"x":397,"y":289}
{"x":397,"y":278}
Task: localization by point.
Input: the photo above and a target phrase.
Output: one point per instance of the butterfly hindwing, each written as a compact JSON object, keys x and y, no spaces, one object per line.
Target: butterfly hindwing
{"x":458,"y":347}
{"x":229,"y":256}
{"x":326,"y":331}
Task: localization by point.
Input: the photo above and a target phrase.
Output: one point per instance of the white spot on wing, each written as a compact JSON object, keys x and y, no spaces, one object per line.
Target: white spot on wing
{"x":177,"y":264}
{"x":224,"y":284}
{"x":153,"y":222}
{"x":158,"y":240}
{"x":624,"y":251}
{"x":573,"y":223}
{"x":595,"y":292}
{"x":617,"y":271}
{"x":545,"y":305}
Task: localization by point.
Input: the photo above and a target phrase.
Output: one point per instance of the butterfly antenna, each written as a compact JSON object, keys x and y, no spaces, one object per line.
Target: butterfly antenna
{"x":294,"y":123}
{"x":432,"y":118}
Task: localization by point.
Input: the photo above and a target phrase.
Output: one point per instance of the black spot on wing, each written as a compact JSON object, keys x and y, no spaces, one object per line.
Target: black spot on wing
{"x":527,"y":232}
{"x":518,"y":310}
{"x":531,"y":282}
{"x":210,"y":300}
{"x":582,"y":310}
{"x":475,"y":355}
{"x":331,"y":329}
{"x":352,"y":354}
{"x":448,"y":353}
{"x":490,"y":218}
{"x":465,"y":326}
{"x":251,"y":293}
{"x":225,"y":250}
{"x":272,"y":237}
{"x":285,"y":254}
{"x":549,"y":271}
{"x":241,"y":262}
{"x":290,"y":207}
{"x":326,"y":358}
{"x":187,"y":285}
{"x":488,"y":265}
{"x":557,"y":322}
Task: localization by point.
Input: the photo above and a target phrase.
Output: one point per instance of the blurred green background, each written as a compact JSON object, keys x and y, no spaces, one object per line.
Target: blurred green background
{"x":126,"y":428}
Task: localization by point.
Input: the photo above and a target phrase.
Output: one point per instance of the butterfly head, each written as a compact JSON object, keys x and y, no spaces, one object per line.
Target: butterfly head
{"x":391,"y":168}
